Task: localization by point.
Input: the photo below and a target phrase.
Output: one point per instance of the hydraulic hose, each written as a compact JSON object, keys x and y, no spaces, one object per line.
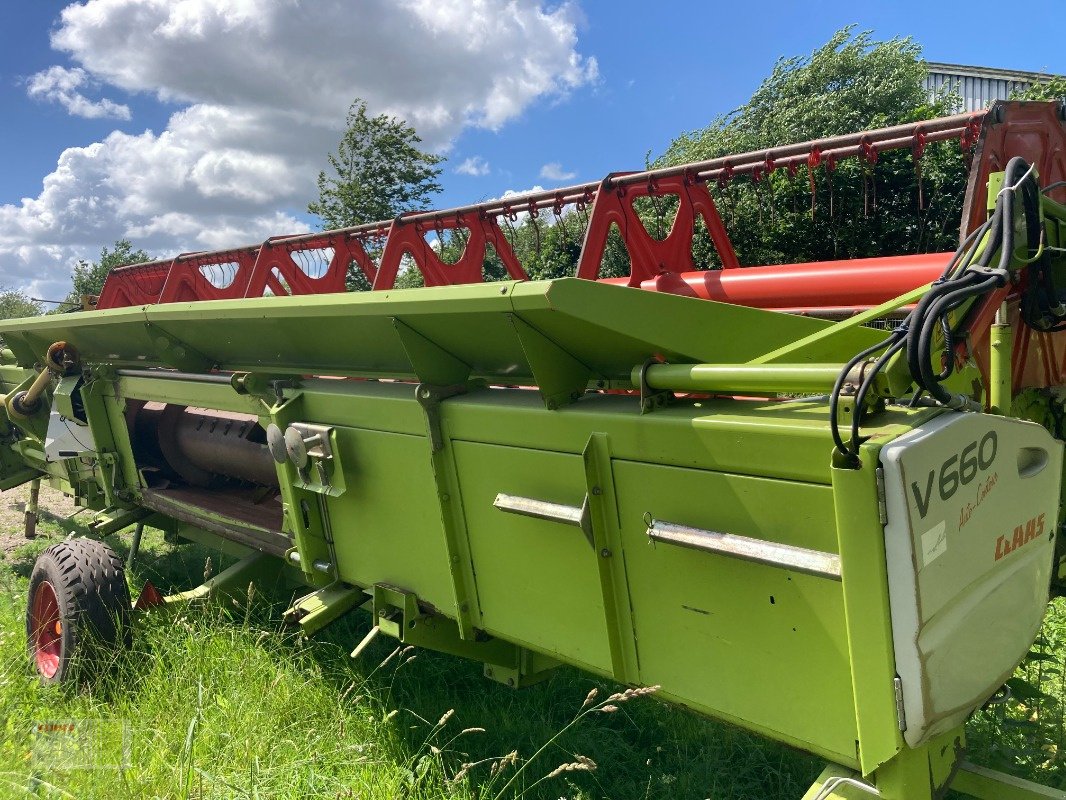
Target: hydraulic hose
{"x":967,"y":276}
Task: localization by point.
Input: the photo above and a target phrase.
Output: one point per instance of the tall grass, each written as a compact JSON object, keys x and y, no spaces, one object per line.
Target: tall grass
{"x":223,"y":702}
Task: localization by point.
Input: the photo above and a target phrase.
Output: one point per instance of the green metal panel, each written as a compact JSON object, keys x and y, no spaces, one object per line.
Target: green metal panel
{"x":386,"y":526}
{"x":865,"y":583}
{"x":607,"y":328}
{"x":537,"y":580}
{"x":762,"y":644}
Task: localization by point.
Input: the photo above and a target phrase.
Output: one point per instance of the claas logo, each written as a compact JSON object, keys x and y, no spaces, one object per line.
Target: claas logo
{"x":1023,"y":534}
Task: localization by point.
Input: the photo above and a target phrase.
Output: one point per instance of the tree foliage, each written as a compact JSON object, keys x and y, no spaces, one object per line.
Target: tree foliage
{"x":15,"y":304}
{"x":1054,"y":89}
{"x":850,"y":84}
{"x":89,"y":276}
{"x":377,"y":173}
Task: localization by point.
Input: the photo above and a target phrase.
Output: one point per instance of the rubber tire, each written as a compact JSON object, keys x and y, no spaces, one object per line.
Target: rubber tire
{"x":89,"y":582}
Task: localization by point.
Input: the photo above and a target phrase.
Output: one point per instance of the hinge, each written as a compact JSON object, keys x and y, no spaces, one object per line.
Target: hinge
{"x":882,"y":505}
{"x":897,"y":685}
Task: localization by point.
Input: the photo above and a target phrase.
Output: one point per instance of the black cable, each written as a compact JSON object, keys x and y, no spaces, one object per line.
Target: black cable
{"x":961,"y":251}
{"x":860,"y":396}
{"x":927,"y":379}
{"x":834,"y":396}
{"x":955,"y":287}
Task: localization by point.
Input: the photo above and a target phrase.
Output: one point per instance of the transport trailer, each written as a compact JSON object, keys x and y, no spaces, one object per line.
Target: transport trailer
{"x":821,"y":502}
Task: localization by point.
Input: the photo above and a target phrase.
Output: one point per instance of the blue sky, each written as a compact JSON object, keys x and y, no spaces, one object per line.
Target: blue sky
{"x":192,"y":124}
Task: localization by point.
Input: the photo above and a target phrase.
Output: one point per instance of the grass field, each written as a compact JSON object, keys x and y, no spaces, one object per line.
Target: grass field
{"x":222,"y":702}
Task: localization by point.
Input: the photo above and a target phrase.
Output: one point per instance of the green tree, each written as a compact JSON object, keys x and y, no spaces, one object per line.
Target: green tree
{"x":89,"y":276}
{"x":377,"y":173}
{"x":15,"y":304}
{"x":1053,"y":89}
{"x":852,"y":83}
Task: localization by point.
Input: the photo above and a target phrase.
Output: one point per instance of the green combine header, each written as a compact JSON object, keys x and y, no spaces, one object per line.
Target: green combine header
{"x":820,"y":502}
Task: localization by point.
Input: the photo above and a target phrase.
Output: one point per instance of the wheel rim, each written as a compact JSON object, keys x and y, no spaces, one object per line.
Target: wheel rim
{"x":47,"y":629}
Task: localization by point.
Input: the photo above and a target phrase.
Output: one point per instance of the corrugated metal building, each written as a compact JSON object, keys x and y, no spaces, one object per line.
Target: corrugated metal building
{"x":979,"y":86}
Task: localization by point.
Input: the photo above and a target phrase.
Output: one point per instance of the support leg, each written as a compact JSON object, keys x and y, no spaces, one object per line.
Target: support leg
{"x":135,"y":545}
{"x":31,"y":508}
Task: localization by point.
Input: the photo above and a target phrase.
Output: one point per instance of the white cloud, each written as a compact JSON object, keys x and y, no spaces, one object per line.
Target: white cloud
{"x":60,"y":85}
{"x":554,"y":172}
{"x":475,"y":165}
{"x":262,"y":88}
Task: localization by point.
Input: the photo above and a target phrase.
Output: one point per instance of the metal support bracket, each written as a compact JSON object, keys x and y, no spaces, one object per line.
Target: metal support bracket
{"x":561,"y":378}
{"x":111,"y":520}
{"x":429,"y":397}
{"x":431,"y":363}
{"x":398,"y":613}
{"x":176,"y":353}
{"x":452,"y":520}
{"x":316,"y":610}
{"x":651,"y":399}
{"x":610,"y":560}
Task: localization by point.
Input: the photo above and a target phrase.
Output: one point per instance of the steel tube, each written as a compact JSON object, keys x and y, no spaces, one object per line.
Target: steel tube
{"x":860,"y":282}
{"x":743,"y":378}
{"x":174,"y":375}
{"x":999,"y":364}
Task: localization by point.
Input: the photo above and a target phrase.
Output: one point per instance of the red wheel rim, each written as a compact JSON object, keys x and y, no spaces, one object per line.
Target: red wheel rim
{"x":47,"y":629}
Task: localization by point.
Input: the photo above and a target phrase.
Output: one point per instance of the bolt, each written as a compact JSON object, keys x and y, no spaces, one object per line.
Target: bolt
{"x":605,"y":553}
{"x":464,"y":606}
{"x":596,"y":490}
{"x":503,"y":290}
{"x":510,"y":682}
{"x":382,"y":613}
{"x":455,"y":559}
{"x":445,"y":497}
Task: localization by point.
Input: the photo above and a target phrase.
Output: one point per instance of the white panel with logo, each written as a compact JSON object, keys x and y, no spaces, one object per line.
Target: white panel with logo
{"x":972,"y":502}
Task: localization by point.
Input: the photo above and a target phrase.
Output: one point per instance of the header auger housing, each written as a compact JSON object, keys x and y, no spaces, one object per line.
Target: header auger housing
{"x":838,"y":535}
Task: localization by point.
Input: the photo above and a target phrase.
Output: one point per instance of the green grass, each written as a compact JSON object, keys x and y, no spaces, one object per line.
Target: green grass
{"x":222,"y":702}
